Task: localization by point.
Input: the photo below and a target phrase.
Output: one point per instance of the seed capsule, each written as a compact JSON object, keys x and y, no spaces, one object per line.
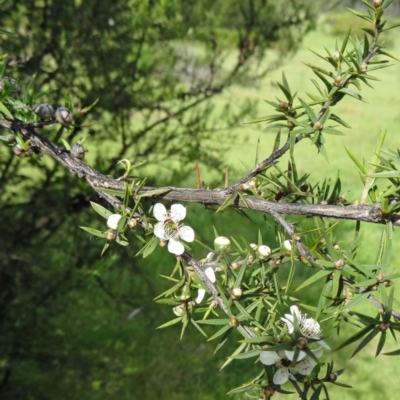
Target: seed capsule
{"x":78,"y":151}
{"x":20,"y":152}
{"x":63,"y":115}
{"x":44,"y":111}
{"x":233,"y":321}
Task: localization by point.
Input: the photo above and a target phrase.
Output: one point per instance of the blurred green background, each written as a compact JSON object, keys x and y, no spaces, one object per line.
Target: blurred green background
{"x":175,"y":80}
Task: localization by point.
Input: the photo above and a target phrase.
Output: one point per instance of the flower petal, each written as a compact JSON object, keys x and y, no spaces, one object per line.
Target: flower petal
{"x":306,"y":366}
{"x":289,"y":322}
{"x":318,"y":352}
{"x":210,"y":274}
{"x":112,"y":221}
{"x":178,"y":212}
{"x":269,"y":357}
{"x":210,"y":256}
{"x":175,"y":247}
{"x":160,"y":212}
{"x":159,"y":230}
{"x":186,"y":233}
{"x":290,"y":354}
{"x":200,"y":296}
{"x":323,"y":344}
{"x":281,"y":376}
{"x":294,"y":310}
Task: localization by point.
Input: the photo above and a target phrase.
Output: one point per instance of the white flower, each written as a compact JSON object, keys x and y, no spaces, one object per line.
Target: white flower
{"x":309,"y":327}
{"x":169,"y":227}
{"x":282,"y":360}
{"x":201,"y":292}
{"x":112,"y":221}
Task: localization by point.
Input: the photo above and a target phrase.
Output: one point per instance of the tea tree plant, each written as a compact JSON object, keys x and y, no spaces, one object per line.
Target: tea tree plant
{"x":236,"y":285}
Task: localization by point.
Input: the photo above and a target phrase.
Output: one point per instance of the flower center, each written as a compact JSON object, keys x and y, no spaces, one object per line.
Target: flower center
{"x":309,"y":327}
{"x":171,"y":229}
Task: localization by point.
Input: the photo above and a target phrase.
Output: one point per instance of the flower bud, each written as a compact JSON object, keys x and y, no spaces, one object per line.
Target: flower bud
{"x":383,"y":326}
{"x":235,"y":266}
{"x":338,"y":264}
{"x":302,"y":342}
{"x":222,"y":243}
{"x":377,"y":3}
{"x":336,"y":56}
{"x":318,"y":126}
{"x":333,"y":376}
{"x":131,"y":223}
{"x":233,"y":321}
{"x":287,"y":246}
{"x":179,"y":310}
{"x":269,"y":392}
{"x":290,"y":124}
{"x":263,"y":252}
{"x":283,"y":105}
{"x":380,"y":278}
{"x":338,"y":80}
{"x":364,"y":67}
{"x":236,"y":293}
{"x":111,"y":235}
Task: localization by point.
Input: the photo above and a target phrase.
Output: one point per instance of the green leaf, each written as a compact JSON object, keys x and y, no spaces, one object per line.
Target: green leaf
{"x":335,"y":118}
{"x":286,"y":92}
{"x":381,"y":343}
{"x":352,"y":94}
{"x":345,"y":41}
{"x":94,"y":232}
{"x":333,"y":131}
{"x":219,"y":321}
{"x":169,"y":323}
{"x":101,"y":210}
{"x":223,"y":330}
{"x":361,"y":15}
{"x":5,"y":111}
{"x":150,"y":246}
{"x":366,"y":340}
{"x":309,"y":111}
{"x":391,"y":27}
{"x":318,"y":275}
{"x":355,"y":337}
{"x":277,"y":141}
{"x":7,"y":33}
{"x":267,"y":118}
{"x":247,"y":354}
{"x":387,"y":54}
{"x":359,"y":299}
{"x":360,"y":166}
{"x":228,"y":201}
